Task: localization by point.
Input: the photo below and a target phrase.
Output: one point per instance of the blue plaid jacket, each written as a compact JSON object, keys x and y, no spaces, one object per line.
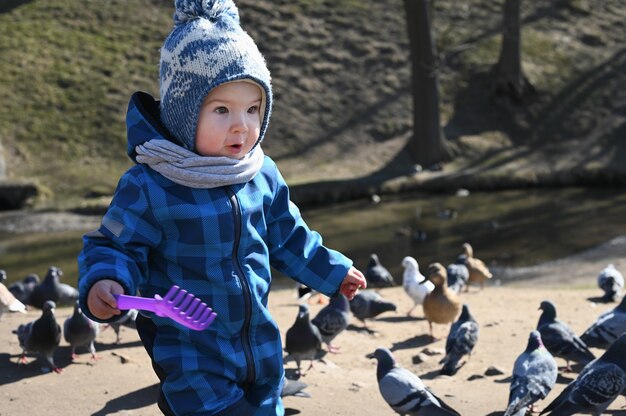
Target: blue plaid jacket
{"x":218,"y":244}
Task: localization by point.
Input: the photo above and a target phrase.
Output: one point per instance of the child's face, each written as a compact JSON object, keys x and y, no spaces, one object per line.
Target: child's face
{"x":229,"y":121}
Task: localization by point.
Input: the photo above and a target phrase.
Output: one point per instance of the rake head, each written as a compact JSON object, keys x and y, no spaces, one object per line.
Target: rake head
{"x":178,"y":305}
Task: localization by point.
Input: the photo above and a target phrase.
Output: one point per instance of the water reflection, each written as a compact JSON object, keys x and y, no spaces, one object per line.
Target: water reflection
{"x":518,"y":228}
{"x":513,"y":228}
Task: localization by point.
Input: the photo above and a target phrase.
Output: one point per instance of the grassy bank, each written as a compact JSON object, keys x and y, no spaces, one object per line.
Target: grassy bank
{"x":341,"y":78}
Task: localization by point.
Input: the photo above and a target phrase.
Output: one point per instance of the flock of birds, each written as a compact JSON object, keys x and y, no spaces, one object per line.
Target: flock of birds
{"x":600,"y":382}
{"x":43,"y":335}
{"x":535,"y":371}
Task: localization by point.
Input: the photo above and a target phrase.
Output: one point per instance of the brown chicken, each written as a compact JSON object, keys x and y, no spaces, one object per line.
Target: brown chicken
{"x":442,"y":305}
{"x":478,"y":270}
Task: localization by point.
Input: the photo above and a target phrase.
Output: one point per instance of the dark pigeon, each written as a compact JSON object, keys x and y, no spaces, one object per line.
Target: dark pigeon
{"x":332,"y":319}
{"x":368,"y":304}
{"x":42,"y":336}
{"x":52,"y":289}
{"x":611,"y":281}
{"x":597,"y":385}
{"x":128,"y":320}
{"x":303,"y":340}
{"x":22,"y":289}
{"x":461,"y":341}
{"x":607,"y":328}
{"x":404,"y":391}
{"x":534,"y":375}
{"x":80,"y":331}
{"x":559,"y":339}
{"x":458,"y":274}
{"x":294,"y":388}
{"x":377,"y":275}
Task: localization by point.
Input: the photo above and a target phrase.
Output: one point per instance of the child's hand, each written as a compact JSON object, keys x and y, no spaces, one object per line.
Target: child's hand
{"x":351,"y":284}
{"x":100,"y":300}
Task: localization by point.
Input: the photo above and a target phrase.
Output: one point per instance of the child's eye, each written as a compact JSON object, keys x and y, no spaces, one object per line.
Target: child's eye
{"x":254,"y":109}
{"x":221,"y":110}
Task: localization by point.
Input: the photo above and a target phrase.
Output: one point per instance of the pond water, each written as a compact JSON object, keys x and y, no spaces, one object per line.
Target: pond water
{"x":507,"y":228}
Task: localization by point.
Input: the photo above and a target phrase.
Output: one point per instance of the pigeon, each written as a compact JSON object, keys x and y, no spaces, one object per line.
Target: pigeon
{"x":303,"y":339}
{"x":294,"y":388}
{"x":41,"y":336}
{"x":22,"y":289}
{"x":80,"y":331}
{"x":597,"y":385}
{"x":52,"y":289}
{"x":404,"y":391}
{"x":461,"y":341}
{"x":458,"y":274}
{"x":478,"y":270}
{"x":414,"y":283}
{"x":607,"y":328}
{"x":368,"y":304}
{"x":611,"y":281}
{"x":534,"y":375}
{"x":305,"y":293}
{"x":559,"y":338}
{"x":8,"y":302}
{"x":442,"y":305}
{"x":127,"y":320}
{"x":332,"y":319}
{"x":377,"y":275}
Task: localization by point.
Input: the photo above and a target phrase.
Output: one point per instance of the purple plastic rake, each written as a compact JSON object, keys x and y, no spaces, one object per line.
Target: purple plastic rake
{"x":178,"y":305}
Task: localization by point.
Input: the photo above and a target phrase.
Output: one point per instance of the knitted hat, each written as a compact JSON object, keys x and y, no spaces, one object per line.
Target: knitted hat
{"x":206,"y":48}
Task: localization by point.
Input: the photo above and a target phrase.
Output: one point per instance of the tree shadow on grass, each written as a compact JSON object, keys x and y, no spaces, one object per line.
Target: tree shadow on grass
{"x":8,"y":5}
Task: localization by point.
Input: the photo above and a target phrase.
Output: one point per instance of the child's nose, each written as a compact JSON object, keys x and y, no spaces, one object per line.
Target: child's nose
{"x":239,"y":123}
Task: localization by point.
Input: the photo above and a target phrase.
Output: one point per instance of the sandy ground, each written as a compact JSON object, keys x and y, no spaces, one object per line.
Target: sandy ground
{"x":122,"y":381}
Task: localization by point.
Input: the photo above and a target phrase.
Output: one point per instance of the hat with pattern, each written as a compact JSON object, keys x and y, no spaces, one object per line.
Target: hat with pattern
{"x":206,"y":48}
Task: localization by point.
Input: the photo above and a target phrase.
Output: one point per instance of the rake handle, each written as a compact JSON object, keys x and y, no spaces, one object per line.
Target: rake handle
{"x":126,"y":302}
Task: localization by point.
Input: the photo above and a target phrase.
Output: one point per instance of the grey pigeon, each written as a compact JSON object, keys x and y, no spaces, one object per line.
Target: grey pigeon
{"x":332,"y":319}
{"x":607,"y":328}
{"x":559,"y":338}
{"x":368,"y":304}
{"x":303,"y":339}
{"x":80,"y":331}
{"x":458,"y":274}
{"x":597,"y":385}
{"x":294,"y":388}
{"x":52,"y":289}
{"x":414,"y":282}
{"x":404,"y":391}
{"x":377,"y":275}
{"x":611,"y":281}
{"x":8,"y":302}
{"x":534,"y":375}
{"x":128,"y":320}
{"x":461,"y":341}
{"x":22,"y":289}
{"x":41,"y":336}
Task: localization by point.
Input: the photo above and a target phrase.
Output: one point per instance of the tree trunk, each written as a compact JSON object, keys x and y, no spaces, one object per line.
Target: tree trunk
{"x":510,"y":79}
{"x":428,"y":144}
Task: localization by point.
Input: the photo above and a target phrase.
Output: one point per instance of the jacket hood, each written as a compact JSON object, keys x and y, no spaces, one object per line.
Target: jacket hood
{"x":143,"y":123}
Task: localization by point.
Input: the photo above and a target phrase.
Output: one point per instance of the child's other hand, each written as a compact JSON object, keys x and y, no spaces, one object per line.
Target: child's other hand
{"x":351,"y":284}
{"x":100,"y":298}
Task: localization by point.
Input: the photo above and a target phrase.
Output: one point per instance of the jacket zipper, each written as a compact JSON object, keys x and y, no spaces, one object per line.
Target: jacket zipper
{"x":245,"y":330}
